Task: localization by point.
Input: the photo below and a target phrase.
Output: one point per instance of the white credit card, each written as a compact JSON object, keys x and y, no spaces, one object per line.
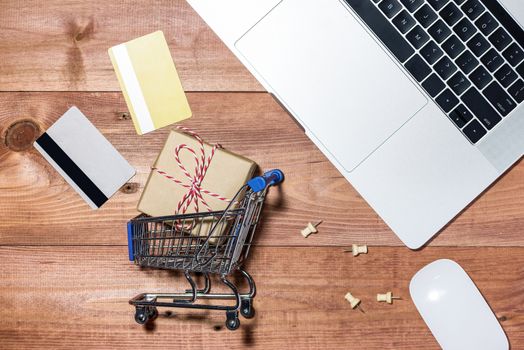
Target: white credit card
{"x":84,"y":158}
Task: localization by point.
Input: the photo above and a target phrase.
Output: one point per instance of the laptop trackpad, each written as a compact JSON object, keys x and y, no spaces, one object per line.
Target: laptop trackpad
{"x":332,"y":75}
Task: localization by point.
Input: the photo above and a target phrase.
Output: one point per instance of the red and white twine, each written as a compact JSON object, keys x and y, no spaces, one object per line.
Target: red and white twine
{"x":195,"y":191}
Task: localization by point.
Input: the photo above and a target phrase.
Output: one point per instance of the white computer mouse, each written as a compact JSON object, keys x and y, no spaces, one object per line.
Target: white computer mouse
{"x":454,"y":310}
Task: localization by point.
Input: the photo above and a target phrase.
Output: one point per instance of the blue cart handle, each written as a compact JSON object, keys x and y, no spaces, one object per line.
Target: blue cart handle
{"x":270,"y":178}
{"x":130,"y":248}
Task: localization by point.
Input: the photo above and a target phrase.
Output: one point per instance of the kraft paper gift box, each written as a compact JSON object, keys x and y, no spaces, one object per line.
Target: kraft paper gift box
{"x":226,"y":174}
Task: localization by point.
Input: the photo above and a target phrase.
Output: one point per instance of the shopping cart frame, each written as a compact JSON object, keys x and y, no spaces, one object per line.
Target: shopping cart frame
{"x":207,"y":255}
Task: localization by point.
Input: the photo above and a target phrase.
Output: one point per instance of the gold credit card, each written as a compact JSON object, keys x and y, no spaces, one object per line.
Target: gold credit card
{"x":150,"y":82}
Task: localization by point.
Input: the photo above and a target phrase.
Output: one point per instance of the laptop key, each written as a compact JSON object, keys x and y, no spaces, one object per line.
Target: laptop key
{"x":439,"y":31}
{"x":447,"y":100}
{"x":480,"y":77}
{"x":472,"y":8}
{"x":486,"y":23}
{"x":383,"y":29}
{"x":517,"y":91}
{"x":478,"y":45}
{"x":418,"y":68}
{"x":445,"y":68}
{"x":458,"y":2}
{"x":412,"y":5}
{"x":453,"y":46}
{"x":404,"y":22}
{"x":460,"y":116}
{"x":474,"y":131}
{"x":505,"y":75}
{"x":425,"y":15}
{"x":513,"y":54}
{"x":433,"y":85}
{"x":431,"y":52}
{"x":492,"y":60}
{"x":458,"y":83}
{"x":465,"y":29}
{"x":438,"y":4}
{"x":451,"y":14}
{"x":467,"y":62}
{"x":481,"y":108}
{"x":505,"y":19}
{"x":417,"y":37}
{"x":499,"y":99}
{"x":390,"y":7}
{"x":520,"y":69}
{"x":500,"y":39}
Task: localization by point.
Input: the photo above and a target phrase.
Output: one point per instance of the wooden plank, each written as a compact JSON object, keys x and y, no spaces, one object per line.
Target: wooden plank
{"x":64,"y":297}
{"x":38,"y":207}
{"x":52,"y":45}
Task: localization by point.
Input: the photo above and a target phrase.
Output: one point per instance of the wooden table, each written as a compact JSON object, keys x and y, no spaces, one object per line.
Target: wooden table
{"x":65,"y":277}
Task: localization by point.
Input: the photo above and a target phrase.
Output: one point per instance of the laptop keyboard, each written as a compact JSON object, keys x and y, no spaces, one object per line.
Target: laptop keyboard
{"x":467,"y":54}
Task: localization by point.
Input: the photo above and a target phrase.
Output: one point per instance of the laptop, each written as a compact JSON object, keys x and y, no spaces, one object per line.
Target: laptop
{"x":418,"y":103}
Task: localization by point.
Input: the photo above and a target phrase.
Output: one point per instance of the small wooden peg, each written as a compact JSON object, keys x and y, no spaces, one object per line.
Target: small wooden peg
{"x":387,"y":297}
{"x":358,"y":249}
{"x":310,"y":228}
{"x":354,"y":302}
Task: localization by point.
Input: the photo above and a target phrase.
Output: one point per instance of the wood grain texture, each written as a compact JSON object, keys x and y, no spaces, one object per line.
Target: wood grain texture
{"x":65,"y":297}
{"x":52,"y":45}
{"x":40,"y":208}
{"x":65,"y":278}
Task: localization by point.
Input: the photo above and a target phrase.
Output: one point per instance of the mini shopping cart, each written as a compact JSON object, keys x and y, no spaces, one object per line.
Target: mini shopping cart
{"x":206,"y":243}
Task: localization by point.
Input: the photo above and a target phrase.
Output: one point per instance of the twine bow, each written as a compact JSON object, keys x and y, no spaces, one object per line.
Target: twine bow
{"x":195,"y":191}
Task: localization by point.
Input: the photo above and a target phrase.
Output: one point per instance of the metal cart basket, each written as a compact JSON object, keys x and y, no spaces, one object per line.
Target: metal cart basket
{"x":207,"y":243}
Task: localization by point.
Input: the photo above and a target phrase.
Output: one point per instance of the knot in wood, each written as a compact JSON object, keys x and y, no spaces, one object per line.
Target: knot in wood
{"x":130,"y":187}
{"x":20,"y":135}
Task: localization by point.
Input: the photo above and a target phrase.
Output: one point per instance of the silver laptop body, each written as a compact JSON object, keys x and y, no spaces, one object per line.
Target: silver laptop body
{"x":417,"y":151}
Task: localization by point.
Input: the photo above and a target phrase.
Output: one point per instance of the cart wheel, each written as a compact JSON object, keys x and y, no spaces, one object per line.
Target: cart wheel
{"x":232,"y":321}
{"x":152,"y":313}
{"x":141,"y":316}
{"x":246,"y":308}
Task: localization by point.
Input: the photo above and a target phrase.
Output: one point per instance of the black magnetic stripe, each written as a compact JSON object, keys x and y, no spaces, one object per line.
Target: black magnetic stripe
{"x":505,"y":20}
{"x":71,"y":169}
